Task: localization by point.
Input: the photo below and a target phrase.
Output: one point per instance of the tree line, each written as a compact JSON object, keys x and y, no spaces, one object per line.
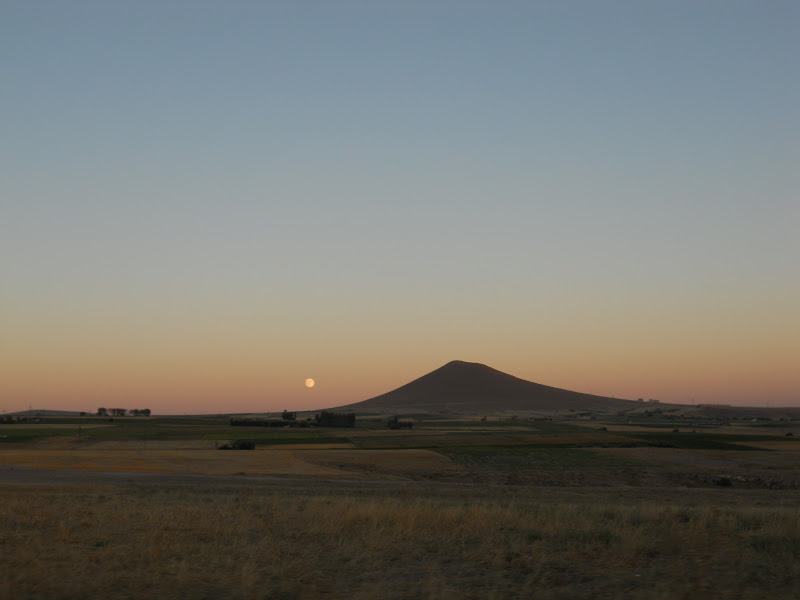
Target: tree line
{"x":122,"y":412}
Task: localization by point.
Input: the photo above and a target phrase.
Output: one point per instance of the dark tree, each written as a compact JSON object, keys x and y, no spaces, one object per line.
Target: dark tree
{"x":329,"y":418}
{"x":395,"y":423}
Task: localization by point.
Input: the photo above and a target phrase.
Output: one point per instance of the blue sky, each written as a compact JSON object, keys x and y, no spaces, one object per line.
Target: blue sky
{"x":246,"y":194}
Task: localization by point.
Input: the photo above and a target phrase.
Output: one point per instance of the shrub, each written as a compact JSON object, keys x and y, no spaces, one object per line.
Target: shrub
{"x":240,"y":445}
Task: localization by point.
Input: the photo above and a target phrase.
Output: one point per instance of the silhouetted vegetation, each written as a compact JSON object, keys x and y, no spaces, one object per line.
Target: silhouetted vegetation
{"x":395,"y":423}
{"x":329,"y":418}
{"x":121,"y":412}
{"x":255,"y":422}
{"x":240,"y":445}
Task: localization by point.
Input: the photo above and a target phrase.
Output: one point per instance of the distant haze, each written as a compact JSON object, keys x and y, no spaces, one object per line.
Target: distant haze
{"x":203,"y":205}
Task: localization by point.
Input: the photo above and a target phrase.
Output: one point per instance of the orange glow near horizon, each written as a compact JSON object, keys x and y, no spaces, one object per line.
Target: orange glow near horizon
{"x":168,"y":243}
{"x":174,"y":380}
{"x":73,"y":354}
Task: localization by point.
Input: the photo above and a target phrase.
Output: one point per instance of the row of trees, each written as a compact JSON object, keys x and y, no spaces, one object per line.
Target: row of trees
{"x":289,"y":419}
{"x":121,"y":412}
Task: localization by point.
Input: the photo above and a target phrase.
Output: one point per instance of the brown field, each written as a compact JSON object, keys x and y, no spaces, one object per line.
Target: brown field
{"x":441,"y":439}
{"x":299,"y":462}
{"x":502,"y":513}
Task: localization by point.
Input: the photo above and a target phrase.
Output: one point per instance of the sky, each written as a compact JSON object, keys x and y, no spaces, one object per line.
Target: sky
{"x":203,"y":204}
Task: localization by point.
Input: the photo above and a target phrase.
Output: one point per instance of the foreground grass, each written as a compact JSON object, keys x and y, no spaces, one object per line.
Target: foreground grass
{"x":218,"y":542}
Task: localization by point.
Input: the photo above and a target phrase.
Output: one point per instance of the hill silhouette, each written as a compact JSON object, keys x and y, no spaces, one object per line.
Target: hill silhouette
{"x":474,"y":388}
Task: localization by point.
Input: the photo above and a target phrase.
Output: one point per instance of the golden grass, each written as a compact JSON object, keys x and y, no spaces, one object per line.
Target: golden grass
{"x":149,"y":445}
{"x":350,"y":524}
{"x":296,"y":462}
{"x":198,"y":462}
{"x":244,"y":543}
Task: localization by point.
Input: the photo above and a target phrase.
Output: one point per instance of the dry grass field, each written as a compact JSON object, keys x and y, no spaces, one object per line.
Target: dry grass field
{"x":196,"y":462}
{"x":262,"y":542}
{"x":549,"y":511}
{"x":200,"y":457}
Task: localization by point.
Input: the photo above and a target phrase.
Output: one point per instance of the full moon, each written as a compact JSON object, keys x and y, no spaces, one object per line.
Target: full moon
{"x":309,"y":383}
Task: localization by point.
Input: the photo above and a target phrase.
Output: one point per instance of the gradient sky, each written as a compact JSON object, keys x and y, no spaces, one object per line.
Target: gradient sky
{"x":204,"y":203}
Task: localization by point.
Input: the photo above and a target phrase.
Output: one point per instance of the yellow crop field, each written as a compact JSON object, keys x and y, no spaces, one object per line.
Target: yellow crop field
{"x":295,"y":462}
